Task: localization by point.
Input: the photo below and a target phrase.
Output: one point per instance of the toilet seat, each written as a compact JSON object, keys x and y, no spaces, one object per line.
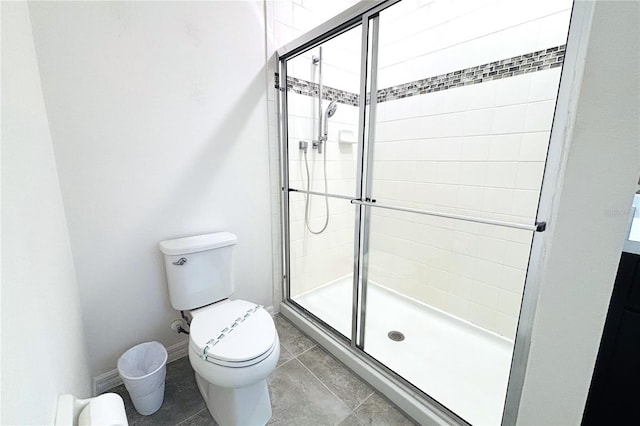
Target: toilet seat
{"x":233,"y":334}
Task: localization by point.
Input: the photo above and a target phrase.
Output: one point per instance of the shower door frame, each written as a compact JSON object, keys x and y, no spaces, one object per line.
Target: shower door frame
{"x":408,"y":397}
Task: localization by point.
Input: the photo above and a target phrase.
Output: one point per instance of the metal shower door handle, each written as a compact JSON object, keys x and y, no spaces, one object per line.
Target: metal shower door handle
{"x":180,"y":261}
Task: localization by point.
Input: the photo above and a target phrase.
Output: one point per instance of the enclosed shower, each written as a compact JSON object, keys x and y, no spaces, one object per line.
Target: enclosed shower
{"x":414,"y":143}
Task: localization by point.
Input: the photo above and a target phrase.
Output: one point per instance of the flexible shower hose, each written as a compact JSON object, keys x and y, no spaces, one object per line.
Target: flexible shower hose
{"x":308,"y":196}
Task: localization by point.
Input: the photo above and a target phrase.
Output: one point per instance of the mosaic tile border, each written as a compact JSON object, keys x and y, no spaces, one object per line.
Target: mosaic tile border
{"x":516,"y":65}
{"x":510,"y":67}
{"x":304,"y":87}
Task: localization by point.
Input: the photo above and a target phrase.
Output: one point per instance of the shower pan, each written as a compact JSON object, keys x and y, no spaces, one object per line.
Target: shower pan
{"x":413,"y":269}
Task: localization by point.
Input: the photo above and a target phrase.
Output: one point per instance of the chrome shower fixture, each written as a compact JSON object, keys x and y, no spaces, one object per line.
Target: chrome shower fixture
{"x":331,"y":109}
{"x":317,"y":144}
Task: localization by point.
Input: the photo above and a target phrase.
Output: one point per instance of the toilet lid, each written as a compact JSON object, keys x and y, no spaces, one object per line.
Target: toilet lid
{"x":214,"y":334}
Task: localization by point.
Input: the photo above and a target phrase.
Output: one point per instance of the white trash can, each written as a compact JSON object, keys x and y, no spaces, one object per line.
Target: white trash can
{"x":143,"y":369}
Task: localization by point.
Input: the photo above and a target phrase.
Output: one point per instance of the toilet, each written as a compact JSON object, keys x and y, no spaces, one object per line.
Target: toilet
{"x":105,"y":409}
{"x":233,"y":344}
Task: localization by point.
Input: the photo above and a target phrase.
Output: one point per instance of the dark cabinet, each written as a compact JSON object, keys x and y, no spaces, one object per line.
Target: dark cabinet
{"x":614,"y":395}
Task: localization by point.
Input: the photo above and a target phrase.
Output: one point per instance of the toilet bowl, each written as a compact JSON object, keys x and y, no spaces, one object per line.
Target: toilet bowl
{"x":233,"y":344}
{"x":231,"y":370}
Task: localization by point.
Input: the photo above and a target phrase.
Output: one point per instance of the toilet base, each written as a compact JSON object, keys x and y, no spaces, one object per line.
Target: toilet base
{"x":249,"y":405}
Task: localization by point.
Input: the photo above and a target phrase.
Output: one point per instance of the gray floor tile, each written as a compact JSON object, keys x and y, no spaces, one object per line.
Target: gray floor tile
{"x":291,"y":338}
{"x":352,"y":420}
{"x":181,"y":397}
{"x":203,"y":418}
{"x":285,"y":356}
{"x":377,"y":411}
{"x":298,"y":398}
{"x":339,"y":379}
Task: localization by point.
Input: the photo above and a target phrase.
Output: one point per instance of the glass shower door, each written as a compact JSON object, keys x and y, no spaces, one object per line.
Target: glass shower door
{"x":322,"y":117}
{"x":451,"y":188}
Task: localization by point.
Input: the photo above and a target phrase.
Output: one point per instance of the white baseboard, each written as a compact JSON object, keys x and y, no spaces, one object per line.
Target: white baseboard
{"x":111,"y":379}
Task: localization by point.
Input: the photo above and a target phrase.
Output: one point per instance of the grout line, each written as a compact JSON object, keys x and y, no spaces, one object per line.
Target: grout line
{"x":461,"y":111}
{"x":320,"y":380}
{"x":373,"y":391}
{"x":189,"y":418}
{"x":360,"y":405}
{"x":326,"y":387}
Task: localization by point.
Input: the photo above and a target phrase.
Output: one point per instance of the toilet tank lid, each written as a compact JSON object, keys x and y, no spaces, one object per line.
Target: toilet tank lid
{"x":197,"y":243}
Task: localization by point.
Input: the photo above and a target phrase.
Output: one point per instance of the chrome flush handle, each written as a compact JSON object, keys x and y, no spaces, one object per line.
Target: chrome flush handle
{"x":180,"y":261}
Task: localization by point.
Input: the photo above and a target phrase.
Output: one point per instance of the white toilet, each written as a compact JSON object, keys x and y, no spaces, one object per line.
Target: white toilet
{"x":233,"y":344}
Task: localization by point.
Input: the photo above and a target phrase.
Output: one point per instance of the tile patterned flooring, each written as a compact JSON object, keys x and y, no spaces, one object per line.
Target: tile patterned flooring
{"x":308,"y":387}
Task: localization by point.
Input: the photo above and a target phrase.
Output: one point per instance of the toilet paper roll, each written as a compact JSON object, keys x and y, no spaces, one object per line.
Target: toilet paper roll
{"x":104,"y":410}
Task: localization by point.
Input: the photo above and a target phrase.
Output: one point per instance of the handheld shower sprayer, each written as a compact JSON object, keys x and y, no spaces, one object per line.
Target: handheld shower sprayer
{"x":331,"y":109}
{"x":324,"y":125}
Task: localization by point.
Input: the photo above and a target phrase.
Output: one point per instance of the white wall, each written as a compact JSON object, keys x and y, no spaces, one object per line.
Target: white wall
{"x":158,"y":119}
{"x":43,"y":348}
{"x":586,"y":232}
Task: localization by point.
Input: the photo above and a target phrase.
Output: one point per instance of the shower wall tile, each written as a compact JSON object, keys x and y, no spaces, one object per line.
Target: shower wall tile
{"x":509,"y":303}
{"x":501,"y":175}
{"x":534,"y":146}
{"x":511,"y":279}
{"x":471,"y":36}
{"x":475,"y":148}
{"x":487,"y":161}
{"x":508,"y":119}
{"x":512,"y":91}
{"x":485,"y":295}
{"x":505,"y":147}
{"x":491,"y":249}
{"x":517,"y":254}
{"x":483,"y":316}
{"x":529,"y":175}
{"x":543,"y":84}
{"x":539,"y":115}
{"x":505,"y":325}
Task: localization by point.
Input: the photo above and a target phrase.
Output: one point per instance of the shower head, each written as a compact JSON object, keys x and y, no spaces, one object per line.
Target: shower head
{"x":331,"y":109}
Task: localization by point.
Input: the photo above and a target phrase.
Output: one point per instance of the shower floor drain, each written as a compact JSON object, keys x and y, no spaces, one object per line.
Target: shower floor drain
{"x":396,"y":336}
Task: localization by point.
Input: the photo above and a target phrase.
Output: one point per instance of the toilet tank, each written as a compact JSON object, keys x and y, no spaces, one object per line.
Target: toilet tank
{"x":199,"y":269}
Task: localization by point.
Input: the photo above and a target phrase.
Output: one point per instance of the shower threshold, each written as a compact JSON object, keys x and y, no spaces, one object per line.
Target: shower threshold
{"x":460,"y":365}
